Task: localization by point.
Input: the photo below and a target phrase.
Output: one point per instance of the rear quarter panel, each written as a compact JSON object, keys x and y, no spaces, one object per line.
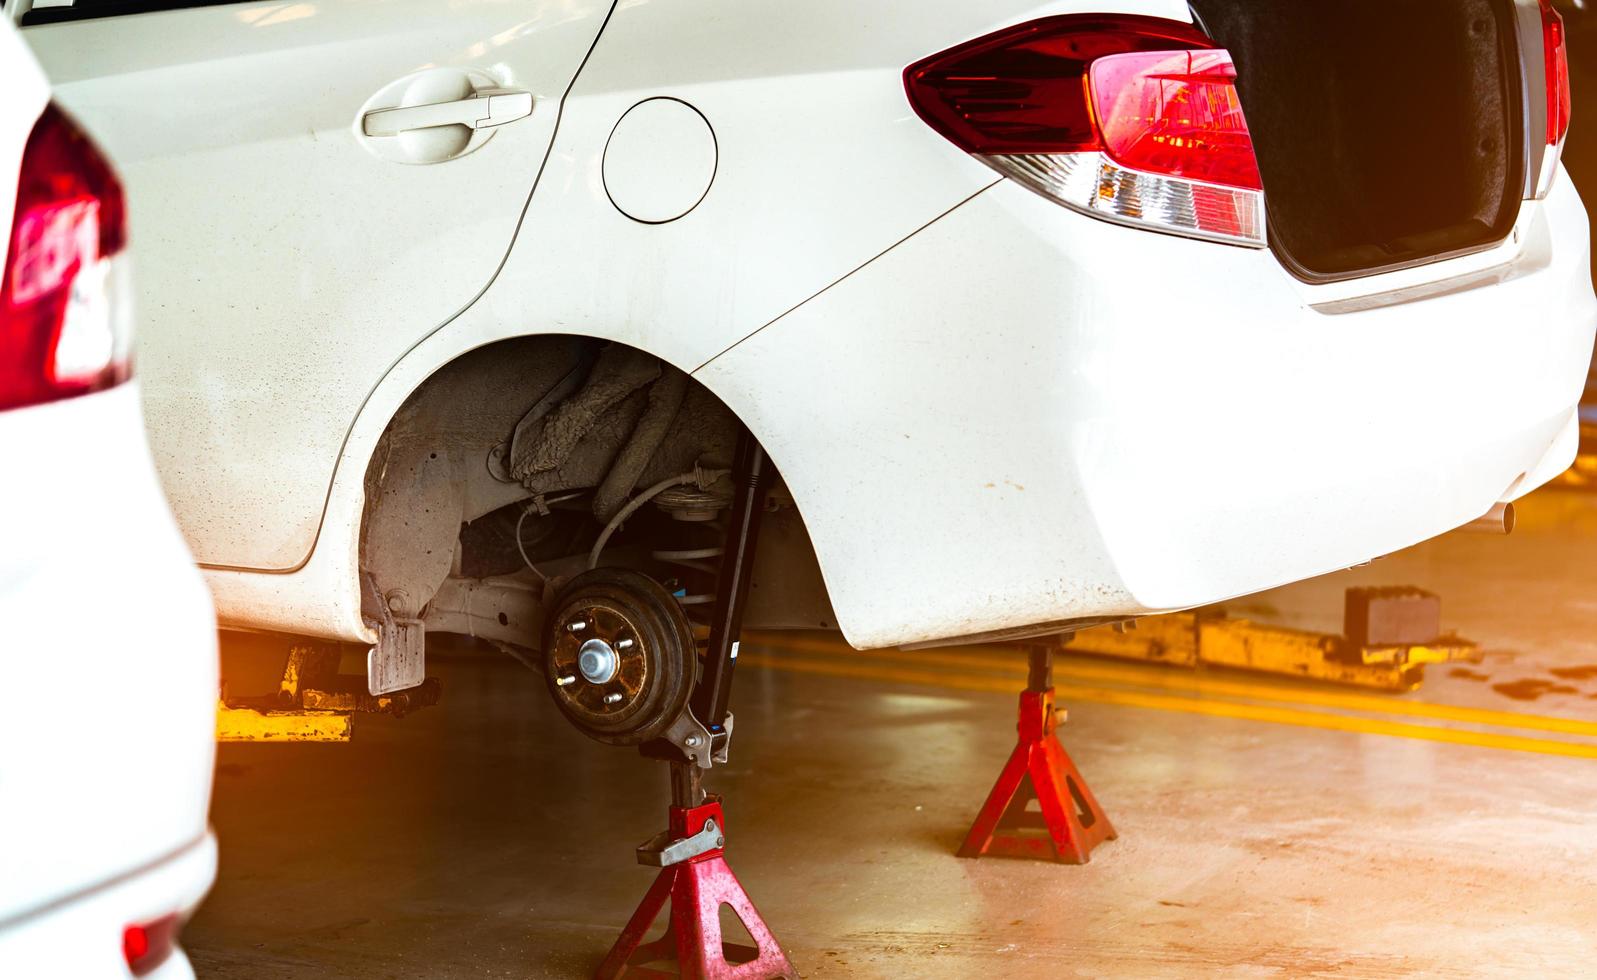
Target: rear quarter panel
{"x":822,"y":165}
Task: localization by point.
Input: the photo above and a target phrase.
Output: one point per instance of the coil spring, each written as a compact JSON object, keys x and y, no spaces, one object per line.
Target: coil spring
{"x":695,"y":508}
{"x":696,"y":559}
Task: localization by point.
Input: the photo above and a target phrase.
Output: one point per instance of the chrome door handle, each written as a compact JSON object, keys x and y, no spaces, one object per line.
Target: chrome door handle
{"x":482,"y":111}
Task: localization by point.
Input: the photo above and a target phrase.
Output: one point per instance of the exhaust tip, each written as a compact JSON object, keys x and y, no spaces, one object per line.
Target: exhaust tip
{"x":1498,"y":520}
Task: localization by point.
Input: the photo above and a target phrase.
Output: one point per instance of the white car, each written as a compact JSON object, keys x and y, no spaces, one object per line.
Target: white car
{"x":1048,"y":313}
{"x":109,"y":640}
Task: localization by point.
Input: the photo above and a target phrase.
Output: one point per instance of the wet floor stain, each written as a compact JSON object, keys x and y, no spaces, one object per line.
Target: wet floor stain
{"x":1532,"y":689}
{"x":1535,"y":688}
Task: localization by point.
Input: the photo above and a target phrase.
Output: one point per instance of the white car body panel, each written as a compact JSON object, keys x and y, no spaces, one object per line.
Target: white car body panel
{"x":1126,"y":423}
{"x":27,"y":91}
{"x":286,"y":268}
{"x":757,"y":245}
{"x":124,"y":777}
{"x":105,"y":762}
{"x":113,"y":776}
{"x":83,"y":937}
{"x":925,"y":349}
{"x":326,"y":264}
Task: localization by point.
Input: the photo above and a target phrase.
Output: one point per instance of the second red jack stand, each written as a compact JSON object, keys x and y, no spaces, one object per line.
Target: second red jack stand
{"x":1068,"y":823}
{"x":696,"y":880}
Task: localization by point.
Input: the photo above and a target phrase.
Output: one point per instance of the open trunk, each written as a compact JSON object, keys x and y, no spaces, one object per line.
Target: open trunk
{"x":1389,"y":132}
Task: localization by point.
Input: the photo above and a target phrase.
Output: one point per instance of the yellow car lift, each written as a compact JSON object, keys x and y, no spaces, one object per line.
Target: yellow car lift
{"x":1390,"y":635}
{"x":256,"y":725}
{"x":313,"y":702}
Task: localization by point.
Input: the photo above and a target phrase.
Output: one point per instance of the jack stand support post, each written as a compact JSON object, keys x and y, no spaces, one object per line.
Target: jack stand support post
{"x":696,"y":880}
{"x":1068,"y":822}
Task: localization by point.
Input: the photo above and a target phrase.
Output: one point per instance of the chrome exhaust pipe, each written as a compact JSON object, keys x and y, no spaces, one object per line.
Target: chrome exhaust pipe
{"x":1498,"y":520}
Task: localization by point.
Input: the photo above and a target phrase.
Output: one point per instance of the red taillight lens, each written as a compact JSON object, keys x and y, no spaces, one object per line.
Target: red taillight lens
{"x":1175,"y":113}
{"x":1560,"y":101}
{"x":1022,"y":90}
{"x":1131,"y":119}
{"x":62,"y":330}
{"x":147,"y":945}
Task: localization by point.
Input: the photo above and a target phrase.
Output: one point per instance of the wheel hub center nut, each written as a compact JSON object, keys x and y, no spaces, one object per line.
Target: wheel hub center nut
{"x":597,"y":662}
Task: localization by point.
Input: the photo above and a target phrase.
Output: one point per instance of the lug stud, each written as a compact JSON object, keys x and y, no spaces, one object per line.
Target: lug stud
{"x":565,"y":681}
{"x":624,"y":644}
{"x":577,"y":625}
{"x":612,"y":698}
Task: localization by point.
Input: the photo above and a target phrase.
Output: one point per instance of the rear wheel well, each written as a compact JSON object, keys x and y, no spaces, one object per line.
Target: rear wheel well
{"x":493,"y":481}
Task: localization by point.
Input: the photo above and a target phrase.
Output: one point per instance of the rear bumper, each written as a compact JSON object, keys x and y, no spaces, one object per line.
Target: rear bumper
{"x":81,"y":935}
{"x":107,"y":749}
{"x":1022,"y":416}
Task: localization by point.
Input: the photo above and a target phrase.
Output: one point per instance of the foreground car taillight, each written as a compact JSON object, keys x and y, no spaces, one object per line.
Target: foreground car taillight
{"x":63,"y":329}
{"x":1131,"y":119}
{"x":1560,"y":98}
{"x":147,"y":945}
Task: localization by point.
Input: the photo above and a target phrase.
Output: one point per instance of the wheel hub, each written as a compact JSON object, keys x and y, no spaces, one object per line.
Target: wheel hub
{"x":601,"y":666}
{"x":597,"y":661}
{"x":619,"y":656}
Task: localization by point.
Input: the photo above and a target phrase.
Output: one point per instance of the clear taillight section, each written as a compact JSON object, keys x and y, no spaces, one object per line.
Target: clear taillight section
{"x":1134,"y":120}
{"x":63,"y":329}
{"x":1560,"y":98}
{"x":1096,"y":185}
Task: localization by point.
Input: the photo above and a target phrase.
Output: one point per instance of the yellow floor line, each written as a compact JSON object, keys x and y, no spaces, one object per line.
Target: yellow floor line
{"x":1173,"y":679}
{"x":1165,"y":702}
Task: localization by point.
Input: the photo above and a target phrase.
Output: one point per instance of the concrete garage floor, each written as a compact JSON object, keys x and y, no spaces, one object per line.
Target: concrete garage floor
{"x":484,"y":838}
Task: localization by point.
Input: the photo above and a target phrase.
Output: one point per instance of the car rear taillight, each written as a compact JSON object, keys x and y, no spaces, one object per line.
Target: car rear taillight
{"x":64,"y":330}
{"x":1131,"y":119}
{"x":1560,"y":100}
{"x":147,"y":945}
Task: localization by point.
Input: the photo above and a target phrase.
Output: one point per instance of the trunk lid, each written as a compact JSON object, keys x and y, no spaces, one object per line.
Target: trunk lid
{"x":1389,"y":133}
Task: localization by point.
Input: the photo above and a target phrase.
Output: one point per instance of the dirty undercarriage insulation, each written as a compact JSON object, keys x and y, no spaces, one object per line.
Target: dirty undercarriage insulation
{"x":519,"y":454}
{"x":551,"y":448}
{"x":618,"y":421}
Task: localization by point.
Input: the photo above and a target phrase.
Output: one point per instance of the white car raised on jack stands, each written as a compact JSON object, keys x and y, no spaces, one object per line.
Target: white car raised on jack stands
{"x":106,"y":739}
{"x":1048,"y":313}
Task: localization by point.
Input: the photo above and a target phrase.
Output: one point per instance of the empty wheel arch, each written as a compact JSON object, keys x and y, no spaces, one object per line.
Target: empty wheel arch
{"x":501,"y":473}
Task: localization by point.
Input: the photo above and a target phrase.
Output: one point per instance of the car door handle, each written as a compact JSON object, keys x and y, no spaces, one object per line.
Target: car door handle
{"x":481,"y":111}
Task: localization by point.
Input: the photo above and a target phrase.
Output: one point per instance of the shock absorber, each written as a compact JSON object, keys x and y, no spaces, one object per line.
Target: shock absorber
{"x":709,"y":701}
{"x":702,"y":733}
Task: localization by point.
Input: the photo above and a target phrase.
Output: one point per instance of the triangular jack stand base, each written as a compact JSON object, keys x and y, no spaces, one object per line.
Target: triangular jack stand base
{"x":1067,"y":822}
{"x":692,"y":946}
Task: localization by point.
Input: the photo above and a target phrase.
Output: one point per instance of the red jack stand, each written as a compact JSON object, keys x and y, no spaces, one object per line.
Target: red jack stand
{"x":1071,"y":823}
{"x":695,"y":878}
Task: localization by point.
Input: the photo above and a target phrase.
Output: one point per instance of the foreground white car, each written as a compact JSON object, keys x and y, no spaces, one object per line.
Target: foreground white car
{"x":995,"y":285}
{"x":108,"y":637}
